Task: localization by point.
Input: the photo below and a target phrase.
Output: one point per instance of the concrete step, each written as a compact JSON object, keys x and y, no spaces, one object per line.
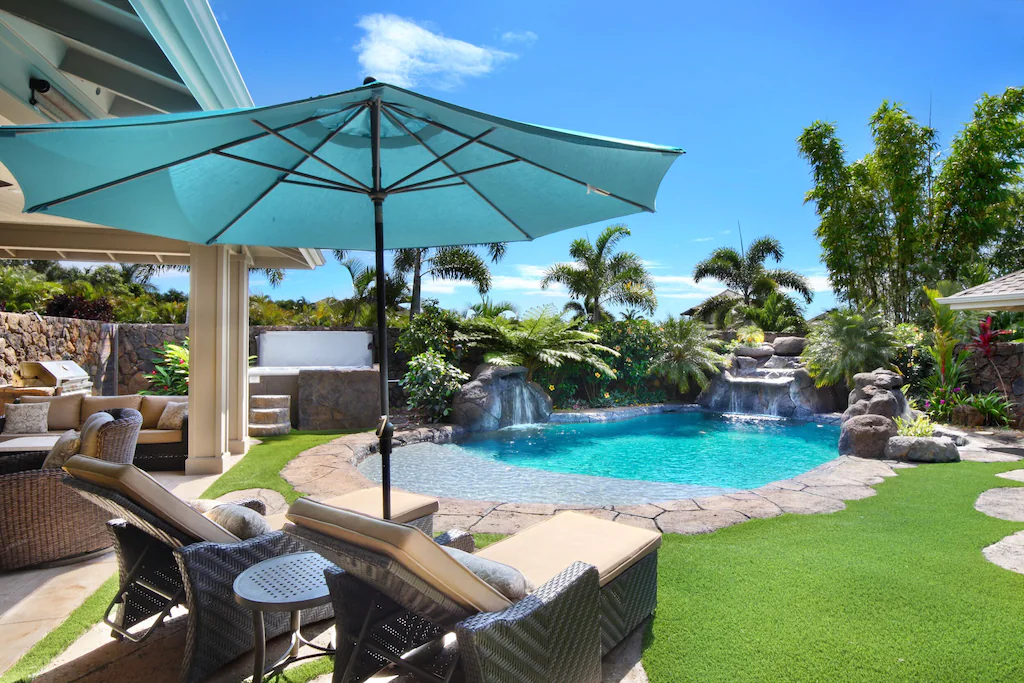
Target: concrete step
{"x":258,"y":430}
{"x":268,"y":416}
{"x":270,"y":401}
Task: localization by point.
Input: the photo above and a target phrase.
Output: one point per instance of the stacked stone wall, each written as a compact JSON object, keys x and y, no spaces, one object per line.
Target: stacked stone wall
{"x":28,"y":337}
{"x":1006,"y":365}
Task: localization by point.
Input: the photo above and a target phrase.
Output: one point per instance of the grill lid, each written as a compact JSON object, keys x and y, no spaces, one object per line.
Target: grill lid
{"x":53,"y":372}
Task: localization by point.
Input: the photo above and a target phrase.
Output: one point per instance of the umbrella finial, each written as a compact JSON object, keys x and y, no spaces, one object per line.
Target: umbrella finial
{"x":368,"y":80}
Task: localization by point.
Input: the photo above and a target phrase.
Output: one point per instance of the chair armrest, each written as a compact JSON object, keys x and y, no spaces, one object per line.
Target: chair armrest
{"x":552,"y":634}
{"x":457,"y":538}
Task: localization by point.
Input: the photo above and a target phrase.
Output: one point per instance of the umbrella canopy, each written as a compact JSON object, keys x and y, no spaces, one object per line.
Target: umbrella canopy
{"x":316,"y":173}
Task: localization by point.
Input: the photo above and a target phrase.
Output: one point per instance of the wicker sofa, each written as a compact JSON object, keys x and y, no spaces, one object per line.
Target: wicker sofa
{"x":395,"y":594}
{"x":157,"y":449}
{"x":42,"y":520}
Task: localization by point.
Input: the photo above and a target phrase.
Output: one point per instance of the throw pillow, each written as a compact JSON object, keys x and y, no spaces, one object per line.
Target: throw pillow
{"x":241,"y":521}
{"x":173,"y":416}
{"x":26,"y":418}
{"x":507,"y":580}
{"x":66,"y":446}
{"x":91,"y":433}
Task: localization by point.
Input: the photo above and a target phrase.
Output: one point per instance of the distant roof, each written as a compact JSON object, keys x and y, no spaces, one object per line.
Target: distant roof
{"x":1005,"y":294}
{"x":724,"y":292}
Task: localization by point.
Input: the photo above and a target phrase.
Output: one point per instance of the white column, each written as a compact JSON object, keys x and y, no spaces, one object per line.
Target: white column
{"x":209,"y":359}
{"x":238,"y":367}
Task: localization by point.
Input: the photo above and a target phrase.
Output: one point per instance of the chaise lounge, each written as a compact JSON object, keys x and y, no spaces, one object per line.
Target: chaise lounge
{"x":398,"y":591}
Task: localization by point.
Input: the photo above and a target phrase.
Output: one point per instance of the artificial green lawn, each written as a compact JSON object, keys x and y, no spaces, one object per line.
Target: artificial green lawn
{"x":894,"y":588}
{"x":261,"y":467}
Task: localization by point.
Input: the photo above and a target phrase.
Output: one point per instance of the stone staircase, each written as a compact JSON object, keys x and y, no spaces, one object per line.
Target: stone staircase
{"x":270,"y":415}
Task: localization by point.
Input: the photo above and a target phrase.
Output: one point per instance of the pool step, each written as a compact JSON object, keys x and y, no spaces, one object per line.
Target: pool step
{"x":270,"y":430}
{"x":269,"y":415}
{"x":270,"y":401}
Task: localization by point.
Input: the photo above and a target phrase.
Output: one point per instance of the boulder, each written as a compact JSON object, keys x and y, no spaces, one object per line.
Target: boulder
{"x":762,"y":351}
{"x":744,"y":365}
{"x":922,"y":449}
{"x":967,"y":416}
{"x":778,"y":362}
{"x":789,"y":346}
{"x":499,"y":397}
{"x":866,"y":436}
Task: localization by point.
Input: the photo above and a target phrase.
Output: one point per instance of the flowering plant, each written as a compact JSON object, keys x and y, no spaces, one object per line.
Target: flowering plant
{"x":170,"y":370}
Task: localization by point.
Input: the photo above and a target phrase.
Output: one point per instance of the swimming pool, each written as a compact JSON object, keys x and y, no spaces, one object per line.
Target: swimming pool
{"x":649,"y":458}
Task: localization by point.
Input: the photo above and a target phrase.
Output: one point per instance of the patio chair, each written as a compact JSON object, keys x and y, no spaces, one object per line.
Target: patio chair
{"x":168,"y":555}
{"x":397,"y":592}
{"x":43,"y":521}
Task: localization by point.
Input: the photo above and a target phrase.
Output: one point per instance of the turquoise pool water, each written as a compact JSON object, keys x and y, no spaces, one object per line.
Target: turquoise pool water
{"x":702,"y":449}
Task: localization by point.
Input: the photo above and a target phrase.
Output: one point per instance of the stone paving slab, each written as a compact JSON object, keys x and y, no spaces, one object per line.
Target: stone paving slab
{"x":1012,"y":475}
{"x":1002,"y":503}
{"x":1007,"y":553}
{"x":698,"y":521}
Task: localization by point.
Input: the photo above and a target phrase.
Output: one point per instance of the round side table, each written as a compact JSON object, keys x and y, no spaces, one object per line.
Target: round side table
{"x":289,"y":583}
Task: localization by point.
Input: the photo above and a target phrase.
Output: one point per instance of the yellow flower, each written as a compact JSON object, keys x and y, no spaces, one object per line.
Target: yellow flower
{"x":607,"y":395}
{"x":597,"y":375}
{"x":551,"y":387}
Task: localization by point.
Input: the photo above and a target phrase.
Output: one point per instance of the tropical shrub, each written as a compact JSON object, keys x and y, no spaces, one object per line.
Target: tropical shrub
{"x":777,"y":312}
{"x":68,"y":306}
{"x":749,"y":335}
{"x":170,"y":370}
{"x":541,"y":339}
{"x":430,"y":330}
{"x":911,"y":357}
{"x":920,"y":426}
{"x":24,"y":290}
{"x":432,"y":383}
{"x":941,"y":400}
{"x":688,"y":356}
{"x":846,"y":342}
{"x":983,"y":341}
{"x":996,"y":409}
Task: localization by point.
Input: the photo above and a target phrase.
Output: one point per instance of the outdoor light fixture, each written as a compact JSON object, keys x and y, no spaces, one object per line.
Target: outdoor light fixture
{"x":50,"y":102}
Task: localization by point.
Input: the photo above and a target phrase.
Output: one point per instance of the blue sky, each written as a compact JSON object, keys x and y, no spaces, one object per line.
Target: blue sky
{"x":733,"y":83}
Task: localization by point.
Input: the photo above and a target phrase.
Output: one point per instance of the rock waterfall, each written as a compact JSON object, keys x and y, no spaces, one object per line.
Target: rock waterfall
{"x":498,"y":397}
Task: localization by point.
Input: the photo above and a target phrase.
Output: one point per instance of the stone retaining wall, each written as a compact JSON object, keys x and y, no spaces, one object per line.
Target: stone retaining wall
{"x":136,"y":343}
{"x":25,"y":336}
{"x":1008,"y":363}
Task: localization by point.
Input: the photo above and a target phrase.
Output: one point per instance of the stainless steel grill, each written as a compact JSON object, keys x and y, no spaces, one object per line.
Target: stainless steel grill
{"x":66,"y":377}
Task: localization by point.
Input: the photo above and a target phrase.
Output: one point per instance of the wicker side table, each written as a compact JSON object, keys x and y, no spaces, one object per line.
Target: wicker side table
{"x":289,"y":583}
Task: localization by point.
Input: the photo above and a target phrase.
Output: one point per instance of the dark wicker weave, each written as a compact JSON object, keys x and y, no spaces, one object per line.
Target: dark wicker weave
{"x":152,"y":554}
{"x":21,"y":462}
{"x":558,"y":633}
{"x":169,"y":457}
{"x":44,"y":521}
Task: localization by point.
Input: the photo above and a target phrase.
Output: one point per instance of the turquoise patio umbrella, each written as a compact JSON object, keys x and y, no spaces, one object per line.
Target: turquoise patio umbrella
{"x":326,"y":172}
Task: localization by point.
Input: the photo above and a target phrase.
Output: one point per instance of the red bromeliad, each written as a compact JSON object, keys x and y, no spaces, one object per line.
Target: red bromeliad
{"x":985,"y":339}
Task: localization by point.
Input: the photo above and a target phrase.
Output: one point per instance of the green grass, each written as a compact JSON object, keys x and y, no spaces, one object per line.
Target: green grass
{"x":261,"y":467}
{"x":59,"y":639}
{"x":894,"y":588}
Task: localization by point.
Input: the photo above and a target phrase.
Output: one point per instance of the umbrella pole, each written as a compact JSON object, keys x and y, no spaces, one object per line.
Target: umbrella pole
{"x":385,"y":429}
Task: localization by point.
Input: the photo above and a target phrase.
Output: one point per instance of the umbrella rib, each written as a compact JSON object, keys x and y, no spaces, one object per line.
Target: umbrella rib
{"x":177,"y":162}
{"x":470,"y":185}
{"x":334,"y":183}
{"x":396,"y":107}
{"x":311,"y":155}
{"x":417,"y":186}
{"x":439,"y":159}
{"x":412,"y":188}
{"x":338,"y":187}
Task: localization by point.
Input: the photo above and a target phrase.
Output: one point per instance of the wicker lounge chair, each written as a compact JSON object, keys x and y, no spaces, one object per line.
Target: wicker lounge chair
{"x":168,"y":554}
{"x":396,"y":593}
{"x":42,"y":520}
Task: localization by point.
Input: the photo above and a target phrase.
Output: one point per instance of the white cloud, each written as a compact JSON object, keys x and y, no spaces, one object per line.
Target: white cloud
{"x":820,"y":283}
{"x":703,"y":239}
{"x":653,"y":265}
{"x":445,"y":286}
{"x":403,"y":53}
{"x":684,"y":287}
{"x":525,"y":37}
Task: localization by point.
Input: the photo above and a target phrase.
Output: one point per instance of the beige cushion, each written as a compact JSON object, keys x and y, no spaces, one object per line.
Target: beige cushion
{"x":507,"y":580}
{"x":66,"y":446}
{"x":146,"y":492}
{"x":405,"y":507}
{"x":159,"y":436}
{"x":26,"y":418}
{"x":152,"y":407}
{"x":173,"y":416}
{"x":65,"y":411}
{"x":90,"y":445}
{"x":407,"y":545}
{"x":94,"y":404}
{"x":239,"y":520}
{"x":543,"y":550}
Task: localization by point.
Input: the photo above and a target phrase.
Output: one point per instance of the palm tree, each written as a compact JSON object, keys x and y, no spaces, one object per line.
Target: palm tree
{"x":493,"y":309}
{"x":447,"y":263}
{"x":541,"y":338}
{"x":745,"y":274}
{"x":598,"y":277}
{"x":688,"y":356}
{"x":777,"y":312}
{"x":846,"y":342}
{"x":361,"y":307}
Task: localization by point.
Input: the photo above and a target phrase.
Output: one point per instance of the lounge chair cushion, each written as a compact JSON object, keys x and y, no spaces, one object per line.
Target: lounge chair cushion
{"x":406,"y":545}
{"x":95,"y":404}
{"x":146,"y":492}
{"x":65,"y":411}
{"x":147,"y":436}
{"x":90,"y":445}
{"x":405,"y":507}
{"x":152,"y":407}
{"x":507,"y":580}
{"x":66,"y":446}
{"x":26,"y":418}
{"x":543,"y":550}
{"x":241,"y":521}
{"x":173,"y":416}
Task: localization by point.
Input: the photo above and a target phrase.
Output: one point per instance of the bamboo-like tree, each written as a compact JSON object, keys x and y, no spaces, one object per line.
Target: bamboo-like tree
{"x":688,"y":356}
{"x":746,"y":275}
{"x":598,"y":277}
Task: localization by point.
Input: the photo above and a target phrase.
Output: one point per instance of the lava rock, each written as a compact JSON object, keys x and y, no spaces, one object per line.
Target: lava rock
{"x":866,"y":436}
{"x":489,"y":400}
{"x":789,"y":346}
{"x":763,"y":351}
{"x":780,"y":362}
{"x":744,"y":365}
{"x":967,"y":416}
{"x":922,"y":449}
